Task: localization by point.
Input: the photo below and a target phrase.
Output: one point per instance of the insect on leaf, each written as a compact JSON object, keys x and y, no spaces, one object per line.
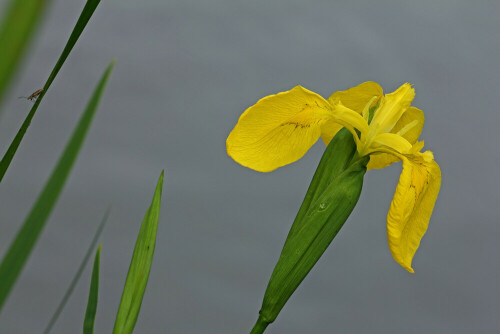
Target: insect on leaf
{"x":16,"y":29}
{"x":84,"y":18}
{"x":20,"y":249}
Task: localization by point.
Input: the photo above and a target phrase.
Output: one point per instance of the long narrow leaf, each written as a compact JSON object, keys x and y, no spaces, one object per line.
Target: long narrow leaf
{"x":84,"y":18}
{"x":138,"y":273}
{"x":23,"y":244}
{"x":88,"y":322}
{"x":16,"y":29}
{"x":78,"y":274}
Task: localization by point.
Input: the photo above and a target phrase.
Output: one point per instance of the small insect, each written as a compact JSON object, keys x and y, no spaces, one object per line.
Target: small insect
{"x":33,"y":96}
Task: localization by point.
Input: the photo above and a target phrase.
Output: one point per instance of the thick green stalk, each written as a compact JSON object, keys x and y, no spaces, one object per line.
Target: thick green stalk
{"x":260,"y":326}
{"x":330,"y":199}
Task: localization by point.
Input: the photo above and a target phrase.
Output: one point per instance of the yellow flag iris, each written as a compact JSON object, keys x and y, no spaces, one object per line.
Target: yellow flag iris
{"x":279,"y":129}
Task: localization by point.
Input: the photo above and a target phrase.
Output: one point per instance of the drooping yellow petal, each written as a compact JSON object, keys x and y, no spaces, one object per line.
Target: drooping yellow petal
{"x":412,"y":206}
{"x":278,"y":129}
{"x":411,"y":115}
{"x":381,"y":160}
{"x":357,"y":97}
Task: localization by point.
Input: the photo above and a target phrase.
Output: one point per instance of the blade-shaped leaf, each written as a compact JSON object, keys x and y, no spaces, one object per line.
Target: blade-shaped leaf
{"x":84,"y":18}
{"x":25,"y":240}
{"x":16,"y":29}
{"x":88,"y":322}
{"x":78,"y":274}
{"x":138,"y":273}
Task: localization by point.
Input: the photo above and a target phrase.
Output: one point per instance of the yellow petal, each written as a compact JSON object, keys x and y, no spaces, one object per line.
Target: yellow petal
{"x":411,"y":114}
{"x":412,"y":206}
{"x":347,"y":118}
{"x":329,"y":130}
{"x":357,"y":97}
{"x":393,"y":142}
{"x":381,"y":160}
{"x":278,"y":129}
{"x":392,"y":108}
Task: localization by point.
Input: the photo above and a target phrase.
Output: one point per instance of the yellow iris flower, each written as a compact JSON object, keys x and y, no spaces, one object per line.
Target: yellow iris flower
{"x":279,"y":129}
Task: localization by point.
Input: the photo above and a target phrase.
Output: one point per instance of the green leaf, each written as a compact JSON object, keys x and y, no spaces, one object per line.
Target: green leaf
{"x":88,"y":323}
{"x":331,"y":197}
{"x":337,"y":156}
{"x":16,"y":29}
{"x":84,"y":18}
{"x":78,"y":274}
{"x":20,"y":249}
{"x":140,"y":265}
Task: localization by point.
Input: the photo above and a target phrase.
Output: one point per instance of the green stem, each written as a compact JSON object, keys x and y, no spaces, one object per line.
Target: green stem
{"x":260,"y":326}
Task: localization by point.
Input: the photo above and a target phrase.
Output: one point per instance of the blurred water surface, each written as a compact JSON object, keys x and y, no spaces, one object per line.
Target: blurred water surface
{"x":185,"y":71}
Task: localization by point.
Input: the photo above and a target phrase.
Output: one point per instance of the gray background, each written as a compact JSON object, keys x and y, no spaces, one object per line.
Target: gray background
{"x":185,"y":71}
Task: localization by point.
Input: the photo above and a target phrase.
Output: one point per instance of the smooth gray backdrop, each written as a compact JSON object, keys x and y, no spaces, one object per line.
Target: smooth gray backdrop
{"x":185,"y":71}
